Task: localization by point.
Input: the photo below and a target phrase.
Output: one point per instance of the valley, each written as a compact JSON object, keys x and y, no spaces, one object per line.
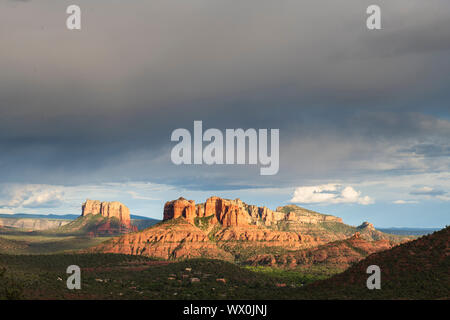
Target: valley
{"x":219,"y":249}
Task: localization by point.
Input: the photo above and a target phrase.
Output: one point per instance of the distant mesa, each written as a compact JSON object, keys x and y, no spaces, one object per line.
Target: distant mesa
{"x":113,"y":209}
{"x":100,"y":219}
{"x":30,"y":224}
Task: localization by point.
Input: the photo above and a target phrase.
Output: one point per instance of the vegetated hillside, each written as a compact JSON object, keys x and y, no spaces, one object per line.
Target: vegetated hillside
{"x":418,"y":269}
{"x":337,"y":255}
{"x":142,"y":224}
{"x":11,"y":246}
{"x":26,"y":243}
{"x":91,"y":225}
{"x":171,"y":239}
{"x":116,"y":276}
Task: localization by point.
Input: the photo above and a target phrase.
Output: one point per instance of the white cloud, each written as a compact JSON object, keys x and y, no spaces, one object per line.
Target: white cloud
{"x":405,"y":201}
{"x":33,"y":196}
{"x":443,"y":198}
{"x":136,"y":195}
{"x":6,"y":211}
{"x":330,"y":194}
{"x":428,"y":192}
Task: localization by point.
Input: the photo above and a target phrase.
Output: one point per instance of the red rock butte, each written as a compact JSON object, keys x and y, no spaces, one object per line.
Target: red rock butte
{"x":235,"y":213}
{"x":113,"y":209}
{"x":226,"y":212}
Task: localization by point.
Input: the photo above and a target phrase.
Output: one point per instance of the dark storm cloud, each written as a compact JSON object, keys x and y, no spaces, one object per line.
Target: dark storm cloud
{"x":100,"y":104}
{"x":431,"y":150}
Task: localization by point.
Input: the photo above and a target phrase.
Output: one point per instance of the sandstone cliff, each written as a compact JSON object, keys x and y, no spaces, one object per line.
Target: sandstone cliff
{"x":237,"y":213}
{"x":302,"y":215}
{"x":113,"y":209}
{"x":99,"y":219}
{"x":169,"y":240}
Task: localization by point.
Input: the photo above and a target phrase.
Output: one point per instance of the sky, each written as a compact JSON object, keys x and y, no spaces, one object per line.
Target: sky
{"x":363,"y":115}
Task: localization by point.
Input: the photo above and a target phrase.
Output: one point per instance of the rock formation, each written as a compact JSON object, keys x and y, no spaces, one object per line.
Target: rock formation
{"x":227,"y":229}
{"x":100,"y":219}
{"x":167,"y":241}
{"x":211,"y":229}
{"x":338,"y":254}
{"x":180,"y":208}
{"x":226,"y":212}
{"x":302,"y":215}
{"x":108,"y":210}
{"x":235,"y":213}
{"x":367,"y":226}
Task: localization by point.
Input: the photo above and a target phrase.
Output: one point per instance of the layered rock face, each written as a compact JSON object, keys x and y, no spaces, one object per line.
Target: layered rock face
{"x":166,"y":241}
{"x":180,"y":208}
{"x":113,"y":209}
{"x":235,"y":213}
{"x":225,"y":212}
{"x":302,"y":215}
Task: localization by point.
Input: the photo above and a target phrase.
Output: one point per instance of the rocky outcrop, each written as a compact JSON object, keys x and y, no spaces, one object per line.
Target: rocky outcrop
{"x":226,"y":212}
{"x":301,"y":215}
{"x":260,"y":237}
{"x":167,"y":240}
{"x":337,"y":255}
{"x":99,"y":219}
{"x":366,"y":226}
{"x":235,"y":213}
{"x":113,"y":209}
{"x":180,"y":208}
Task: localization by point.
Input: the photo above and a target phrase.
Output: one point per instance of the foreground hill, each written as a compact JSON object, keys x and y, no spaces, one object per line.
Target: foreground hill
{"x":233,"y":230}
{"x":11,"y":246}
{"x":115,"y":276}
{"x":419,"y":269}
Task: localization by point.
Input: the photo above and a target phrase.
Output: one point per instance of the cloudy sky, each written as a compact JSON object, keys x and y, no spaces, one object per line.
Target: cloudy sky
{"x":364,"y":116}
